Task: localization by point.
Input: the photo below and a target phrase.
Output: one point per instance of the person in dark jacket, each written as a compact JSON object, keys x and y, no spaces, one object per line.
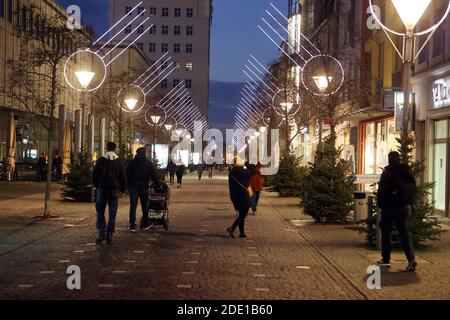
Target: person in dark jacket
{"x":239,"y":182}
{"x":139,"y":173}
{"x":41,"y":165}
{"x":171,"y":168}
{"x":180,"y":172}
{"x":396,"y":209}
{"x":110,"y":180}
{"x":200,"y":170}
{"x":57,"y":166}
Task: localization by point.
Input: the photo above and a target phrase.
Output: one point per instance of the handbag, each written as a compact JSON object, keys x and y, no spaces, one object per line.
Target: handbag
{"x":248,"y":190}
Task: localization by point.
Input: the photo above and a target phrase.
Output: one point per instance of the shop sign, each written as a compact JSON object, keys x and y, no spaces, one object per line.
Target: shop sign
{"x":367,"y":178}
{"x":441,"y":93}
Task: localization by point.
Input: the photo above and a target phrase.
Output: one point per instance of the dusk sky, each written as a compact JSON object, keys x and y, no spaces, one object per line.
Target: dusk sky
{"x":234,"y":36}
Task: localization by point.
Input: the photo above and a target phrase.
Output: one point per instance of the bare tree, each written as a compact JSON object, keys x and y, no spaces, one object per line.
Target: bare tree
{"x":35,"y":78}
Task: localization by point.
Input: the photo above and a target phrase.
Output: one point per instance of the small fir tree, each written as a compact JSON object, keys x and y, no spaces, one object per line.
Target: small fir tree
{"x":289,"y":180}
{"x":329,"y":186}
{"x":77,"y":185}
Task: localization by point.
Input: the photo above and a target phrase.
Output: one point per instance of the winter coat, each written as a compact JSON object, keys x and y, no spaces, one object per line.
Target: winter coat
{"x":139,"y":173}
{"x":109,"y":174}
{"x":42,"y":162}
{"x":171,"y":167}
{"x":180,"y":170}
{"x":238,"y":182}
{"x":57,"y":162}
{"x":257,"y":182}
{"x":391,"y":186}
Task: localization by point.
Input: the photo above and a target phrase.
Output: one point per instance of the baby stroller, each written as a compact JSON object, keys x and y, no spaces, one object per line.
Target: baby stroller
{"x":158,"y":201}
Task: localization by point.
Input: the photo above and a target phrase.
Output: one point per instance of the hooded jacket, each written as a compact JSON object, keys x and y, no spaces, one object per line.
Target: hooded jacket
{"x":139,"y":173}
{"x":109,"y":174}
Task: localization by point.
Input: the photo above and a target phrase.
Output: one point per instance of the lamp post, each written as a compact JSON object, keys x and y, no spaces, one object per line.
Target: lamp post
{"x":322,"y":82}
{"x":155,"y":119}
{"x":410,"y":13}
{"x":85,"y":78}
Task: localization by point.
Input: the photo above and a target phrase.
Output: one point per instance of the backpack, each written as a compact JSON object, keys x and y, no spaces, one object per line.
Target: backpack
{"x":406,"y":189}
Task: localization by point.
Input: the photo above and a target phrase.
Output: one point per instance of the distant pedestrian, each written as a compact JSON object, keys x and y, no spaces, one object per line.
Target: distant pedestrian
{"x":180,"y":172}
{"x":41,"y":165}
{"x":200,"y":171}
{"x":139,"y":172}
{"x":171,"y":168}
{"x":257,"y":184}
{"x":110,"y":180}
{"x":240,"y":194}
{"x":396,"y":194}
{"x":211,"y":169}
{"x":57,"y":166}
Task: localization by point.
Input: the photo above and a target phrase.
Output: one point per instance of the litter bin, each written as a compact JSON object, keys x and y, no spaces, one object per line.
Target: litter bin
{"x":361,"y":207}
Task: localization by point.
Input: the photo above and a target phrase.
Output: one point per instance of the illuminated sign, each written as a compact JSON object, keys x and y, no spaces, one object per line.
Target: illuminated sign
{"x":441,"y":93}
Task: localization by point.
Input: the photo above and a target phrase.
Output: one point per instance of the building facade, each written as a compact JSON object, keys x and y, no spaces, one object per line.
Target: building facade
{"x":31,"y":136}
{"x":180,"y":28}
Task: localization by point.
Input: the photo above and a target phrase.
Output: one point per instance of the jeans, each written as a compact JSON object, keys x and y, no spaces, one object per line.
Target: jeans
{"x":135,"y":196}
{"x":110,"y":198}
{"x":179,"y":179}
{"x":255,"y":200}
{"x":240,"y":221}
{"x":400,"y":216}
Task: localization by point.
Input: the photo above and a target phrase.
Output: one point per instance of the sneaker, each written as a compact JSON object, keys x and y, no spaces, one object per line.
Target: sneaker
{"x":242,"y":235}
{"x":411,"y":266}
{"x":230,"y":231}
{"x":100,"y":239}
{"x":383,"y":264}
{"x":133,"y":229}
{"x":147,"y":226}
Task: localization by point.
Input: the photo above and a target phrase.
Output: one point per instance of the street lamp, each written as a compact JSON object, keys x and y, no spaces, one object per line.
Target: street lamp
{"x":84,"y":78}
{"x":410,"y":12}
{"x":131,"y":103}
{"x":322,"y":82}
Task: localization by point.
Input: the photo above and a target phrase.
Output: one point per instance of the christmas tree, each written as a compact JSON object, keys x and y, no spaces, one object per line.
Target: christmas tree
{"x":288,"y":182}
{"x":329,"y":185}
{"x":77,"y":185}
{"x":424,"y":225}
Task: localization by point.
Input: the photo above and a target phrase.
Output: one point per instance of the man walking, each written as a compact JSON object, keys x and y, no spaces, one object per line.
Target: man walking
{"x":396,"y":194}
{"x":239,"y":183}
{"x":110,"y":181}
{"x":171,"y":168}
{"x":200,"y":170}
{"x":57,"y":166}
{"x":139,"y":173}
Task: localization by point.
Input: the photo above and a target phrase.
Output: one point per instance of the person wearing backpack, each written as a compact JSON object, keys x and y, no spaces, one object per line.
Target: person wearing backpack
{"x":396,"y":193}
{"x":110,"y":180}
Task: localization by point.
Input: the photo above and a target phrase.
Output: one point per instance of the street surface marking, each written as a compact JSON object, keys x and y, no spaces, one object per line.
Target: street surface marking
{"x":259,"y":275}
{"x":196,"y":253}
{"x":184,"y":286}
{"x":192,"y":261}
{"x":303,"y":267}
{"x":63,"y":261}
{"x":129,"y":261}
{"x":47,"y":272}
{"x":256,"y":264}
{"x":138,"y":251}
{"x":119,"y":271}
{"x":105,"y":285}
{"x":262,"y":289}
{"x":78,"y":251}
{"x":188,"y":273}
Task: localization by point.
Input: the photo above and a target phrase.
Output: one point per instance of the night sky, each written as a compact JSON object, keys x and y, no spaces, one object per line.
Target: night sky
{"x":234,"y":37}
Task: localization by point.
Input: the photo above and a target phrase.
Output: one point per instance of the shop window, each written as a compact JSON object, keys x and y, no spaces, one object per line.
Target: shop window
{"x":441,"y":129}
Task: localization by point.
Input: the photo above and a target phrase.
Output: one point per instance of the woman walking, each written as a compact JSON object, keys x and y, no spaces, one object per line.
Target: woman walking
{"x":240,"y":194}
{"x":180,"y":173}
{"x":257,"y":184}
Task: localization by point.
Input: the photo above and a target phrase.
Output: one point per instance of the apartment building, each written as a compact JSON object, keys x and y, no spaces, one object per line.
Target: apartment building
{"x":180,"y":28}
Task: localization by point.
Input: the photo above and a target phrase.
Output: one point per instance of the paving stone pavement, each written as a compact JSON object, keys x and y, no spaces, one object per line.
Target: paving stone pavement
{"x":195,"y":259}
